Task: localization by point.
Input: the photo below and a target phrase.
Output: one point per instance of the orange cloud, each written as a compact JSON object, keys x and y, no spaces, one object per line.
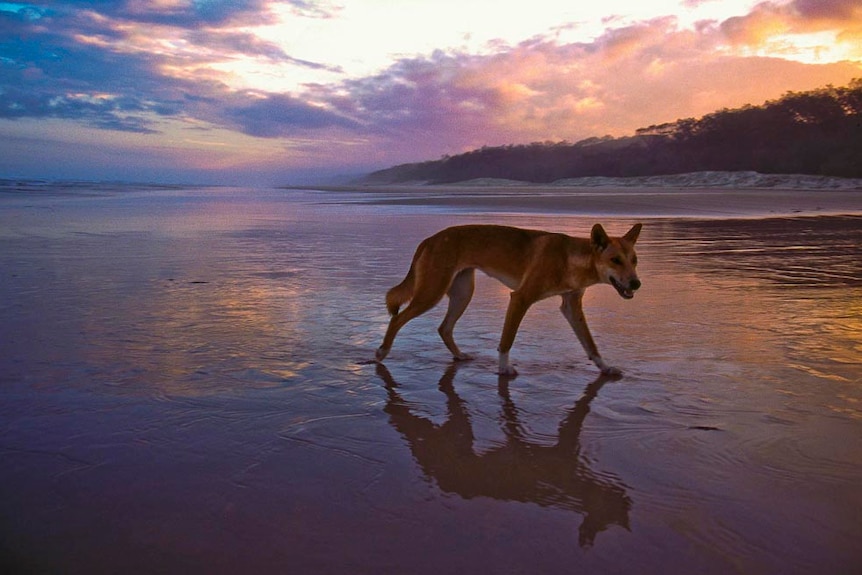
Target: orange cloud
{"x":771,"y":19}
{"x":628,"y":78}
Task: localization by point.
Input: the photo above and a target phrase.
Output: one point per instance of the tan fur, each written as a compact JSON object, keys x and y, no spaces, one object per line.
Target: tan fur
{"x":534,"y":264}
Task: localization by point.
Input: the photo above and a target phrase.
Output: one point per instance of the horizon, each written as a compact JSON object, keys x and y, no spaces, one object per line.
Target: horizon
{"x":263,"y":92}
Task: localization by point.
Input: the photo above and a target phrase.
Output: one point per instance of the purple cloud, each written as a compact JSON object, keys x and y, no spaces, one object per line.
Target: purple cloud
{"x":279,"y":115}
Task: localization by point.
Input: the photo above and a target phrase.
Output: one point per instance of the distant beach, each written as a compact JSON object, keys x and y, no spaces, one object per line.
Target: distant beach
{"x":698,"y":195}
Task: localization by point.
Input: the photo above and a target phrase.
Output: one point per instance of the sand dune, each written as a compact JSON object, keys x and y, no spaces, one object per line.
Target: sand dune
{"x":697,"y":195}
{"x":707,"y":179}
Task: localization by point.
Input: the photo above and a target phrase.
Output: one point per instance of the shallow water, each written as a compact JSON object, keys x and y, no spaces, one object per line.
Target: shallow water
{"x":182,"y":389}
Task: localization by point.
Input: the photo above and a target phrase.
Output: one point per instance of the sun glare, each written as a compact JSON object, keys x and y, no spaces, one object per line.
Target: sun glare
{"x":818,"y":48}
{"x":811,"y":48}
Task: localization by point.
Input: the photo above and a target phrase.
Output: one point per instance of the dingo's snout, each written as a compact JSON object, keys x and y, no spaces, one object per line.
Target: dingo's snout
{"x":627,"y":291}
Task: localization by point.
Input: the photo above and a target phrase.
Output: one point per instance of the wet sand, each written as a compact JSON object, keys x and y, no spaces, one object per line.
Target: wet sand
{"x":698,"y":203}
{"x":182,"y":389}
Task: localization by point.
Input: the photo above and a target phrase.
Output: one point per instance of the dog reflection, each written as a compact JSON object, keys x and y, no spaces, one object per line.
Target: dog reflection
{"x":520,"y":470}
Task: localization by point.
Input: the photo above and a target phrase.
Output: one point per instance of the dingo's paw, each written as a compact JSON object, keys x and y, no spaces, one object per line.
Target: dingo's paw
{"x":507,"y":371}
{"x":611,"y":371}
{"x":605,"y":368}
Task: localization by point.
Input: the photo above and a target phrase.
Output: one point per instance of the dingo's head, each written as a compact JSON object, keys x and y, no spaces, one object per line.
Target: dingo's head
{"x":615,"y":259}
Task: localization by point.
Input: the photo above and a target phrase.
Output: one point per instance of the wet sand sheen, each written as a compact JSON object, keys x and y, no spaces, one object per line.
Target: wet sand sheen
{"x":695,"y":203}
{"x":182,"y":389}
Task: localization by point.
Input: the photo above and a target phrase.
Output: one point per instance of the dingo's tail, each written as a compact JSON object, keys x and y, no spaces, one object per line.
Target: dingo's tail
{"x":400,"y":294}
{"x":403,"y":292}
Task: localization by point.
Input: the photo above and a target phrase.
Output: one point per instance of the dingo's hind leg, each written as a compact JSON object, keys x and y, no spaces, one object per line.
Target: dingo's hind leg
{"x":518,"y":306}
{"x":427,"y":293}
{"x":460,"y":293}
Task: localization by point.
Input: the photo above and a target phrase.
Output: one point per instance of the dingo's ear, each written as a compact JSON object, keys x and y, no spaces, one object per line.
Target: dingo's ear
{"x":632,"y":235}
{"x":599,"y":237}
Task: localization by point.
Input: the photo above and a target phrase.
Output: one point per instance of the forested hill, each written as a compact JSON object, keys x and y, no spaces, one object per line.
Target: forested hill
{"x":817,"y":132}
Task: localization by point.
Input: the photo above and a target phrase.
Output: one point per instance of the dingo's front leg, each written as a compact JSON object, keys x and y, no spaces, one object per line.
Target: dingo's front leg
{"x":572,"y":308}
{"x":505,"y":368}
{"x":518,"y":306}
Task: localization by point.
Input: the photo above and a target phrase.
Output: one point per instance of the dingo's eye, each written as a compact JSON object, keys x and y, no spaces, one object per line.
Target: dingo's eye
{"x":616,"y":261}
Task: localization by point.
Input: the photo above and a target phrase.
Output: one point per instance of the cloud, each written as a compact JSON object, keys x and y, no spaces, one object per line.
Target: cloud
{"x":219,"y":45}
{"x":124,"y":65}
{"x":183,"y":13}
{"x":832,"y":11}
{"x":696,"y":3}
{"x":627,"y":78}
{"x":277,"y":115}
{"x":629,"y":40}
{"x":105,"y":112}
{"x":142,"y":68}
{"x":770,"y":19}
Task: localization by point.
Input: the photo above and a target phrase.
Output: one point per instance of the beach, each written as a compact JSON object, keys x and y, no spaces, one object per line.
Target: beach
{"x":699,"y":195}
{"x":185,"y":387}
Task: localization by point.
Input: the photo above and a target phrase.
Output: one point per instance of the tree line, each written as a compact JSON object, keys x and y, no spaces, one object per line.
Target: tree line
{"x":818,"y":132}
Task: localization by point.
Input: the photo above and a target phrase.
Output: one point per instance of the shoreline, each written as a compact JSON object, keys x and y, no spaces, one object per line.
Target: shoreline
{"x":685,"y":202}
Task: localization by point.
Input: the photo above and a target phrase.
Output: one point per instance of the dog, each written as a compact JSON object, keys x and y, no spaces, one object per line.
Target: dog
{"x":534,"y":264}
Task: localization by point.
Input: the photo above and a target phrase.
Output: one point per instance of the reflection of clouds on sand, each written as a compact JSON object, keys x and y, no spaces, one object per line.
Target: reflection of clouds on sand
{"x":206,"y":327}
{"x":801,"y":278}
{"x":520,"y":469}
{"x":175,"y":294}
{"x":815,"y":253}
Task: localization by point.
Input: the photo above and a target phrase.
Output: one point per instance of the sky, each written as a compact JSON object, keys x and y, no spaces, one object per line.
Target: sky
{"x":262,"y":92}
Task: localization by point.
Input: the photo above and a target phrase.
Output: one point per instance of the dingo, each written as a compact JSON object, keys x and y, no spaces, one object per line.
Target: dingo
{"x":535,"y":264}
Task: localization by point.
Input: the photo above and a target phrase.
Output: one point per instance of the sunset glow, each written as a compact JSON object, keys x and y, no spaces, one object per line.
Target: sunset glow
{"x":269,"y":91}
